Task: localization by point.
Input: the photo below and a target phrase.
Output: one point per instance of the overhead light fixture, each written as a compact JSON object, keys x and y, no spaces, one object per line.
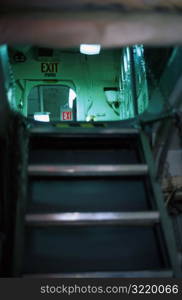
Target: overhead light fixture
{"x":89,"y":49}
{"x":43,"y":117}
{"x":72,"y":97}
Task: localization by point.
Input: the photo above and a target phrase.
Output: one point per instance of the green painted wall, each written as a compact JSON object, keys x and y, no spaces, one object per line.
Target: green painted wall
{"x":161,"y":95}
{"x":88,"y":75}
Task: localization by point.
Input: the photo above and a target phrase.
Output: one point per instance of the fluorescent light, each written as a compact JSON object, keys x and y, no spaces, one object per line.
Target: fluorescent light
{"x":88,"y":118}
{"x":72,"y":96}
{"x":128,"y":53}
{"x":89,"y":49}
{"x":125,"y":63}
{"x":139,"y":50}
{"x":43,"y":117}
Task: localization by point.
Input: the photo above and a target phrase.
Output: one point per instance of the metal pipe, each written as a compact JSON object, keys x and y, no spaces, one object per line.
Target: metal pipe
{"x":133,"y":82}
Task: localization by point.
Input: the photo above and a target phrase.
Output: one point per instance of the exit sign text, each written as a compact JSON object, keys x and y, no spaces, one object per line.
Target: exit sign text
{"x":49,"y":67}
{"x":66,"y":115}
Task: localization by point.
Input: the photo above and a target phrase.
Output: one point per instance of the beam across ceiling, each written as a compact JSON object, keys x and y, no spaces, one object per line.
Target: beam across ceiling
{"x":127,"y":5}
{"x":112,"y":23}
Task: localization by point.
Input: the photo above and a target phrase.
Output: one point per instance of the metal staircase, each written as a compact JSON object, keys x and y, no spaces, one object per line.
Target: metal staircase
{"x":94,"y":208}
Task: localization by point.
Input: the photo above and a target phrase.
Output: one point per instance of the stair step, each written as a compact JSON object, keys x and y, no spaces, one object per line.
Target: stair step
{"x":126,"y":274}
{"x":88,"y":170}
{"x":75,"y":132}
{"x":91,"y":219}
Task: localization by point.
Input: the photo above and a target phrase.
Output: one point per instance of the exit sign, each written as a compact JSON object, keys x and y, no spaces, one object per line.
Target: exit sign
{"x":67,"y":115}
{"x":49,"y":67}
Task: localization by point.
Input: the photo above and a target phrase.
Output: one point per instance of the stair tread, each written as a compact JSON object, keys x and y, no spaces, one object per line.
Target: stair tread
{"x":89,"y":218}
{"x":122,"y":274}
{"x":109,"y":132}
{"x":90,"y":170}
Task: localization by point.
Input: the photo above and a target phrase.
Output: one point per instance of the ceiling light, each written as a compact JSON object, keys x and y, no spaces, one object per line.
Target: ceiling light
{"x":89,"y":49}
{"x":72,"y":97}
{"x":43,"y":117}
